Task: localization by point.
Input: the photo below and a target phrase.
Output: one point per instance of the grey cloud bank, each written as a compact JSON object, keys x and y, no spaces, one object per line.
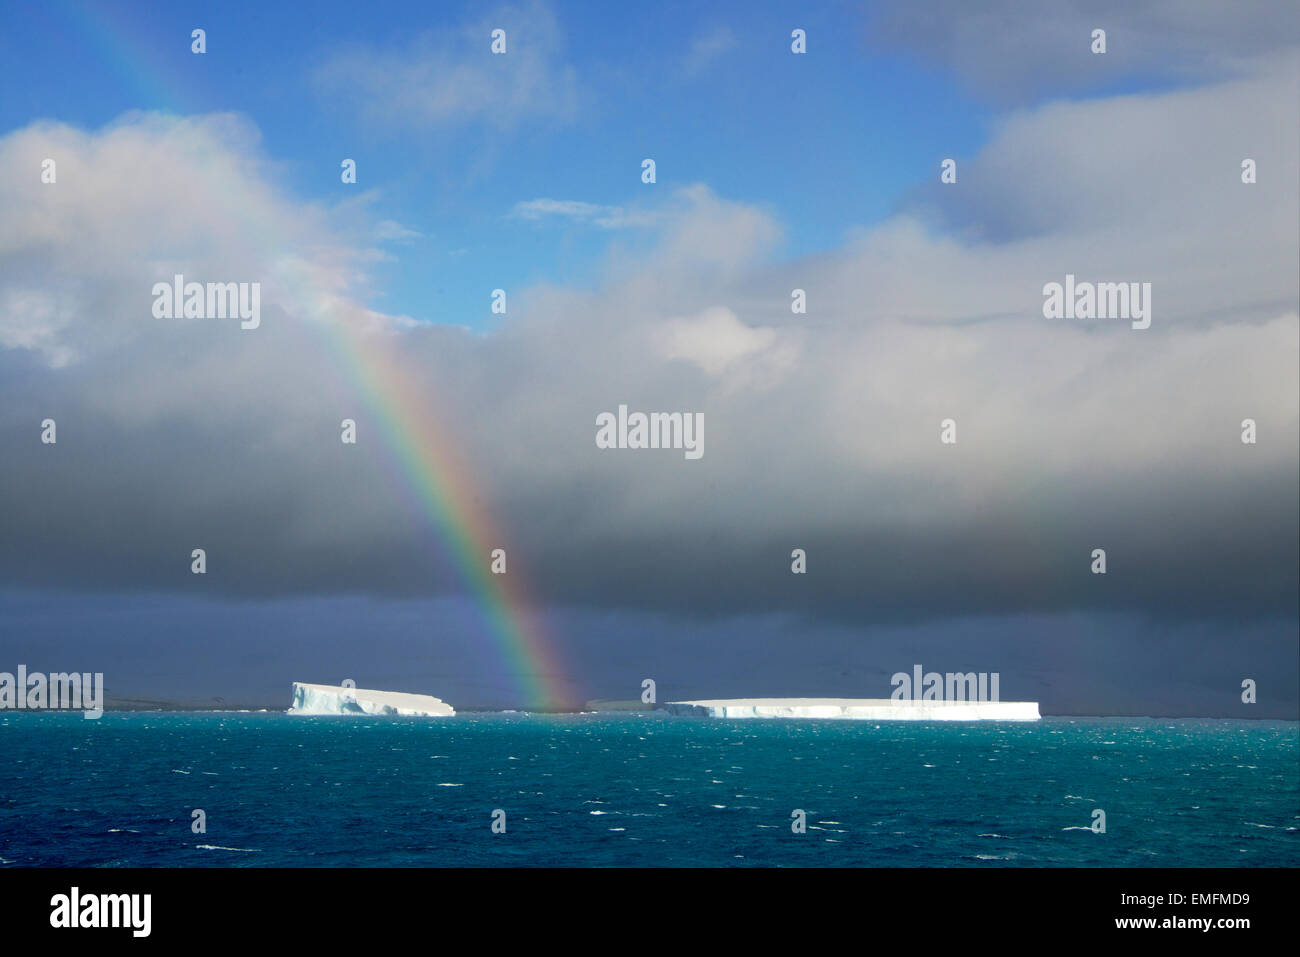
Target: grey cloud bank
{"x":1012,"y":57}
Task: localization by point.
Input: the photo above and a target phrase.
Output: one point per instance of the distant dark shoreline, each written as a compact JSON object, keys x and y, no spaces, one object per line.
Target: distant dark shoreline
{"x":142,"y":707}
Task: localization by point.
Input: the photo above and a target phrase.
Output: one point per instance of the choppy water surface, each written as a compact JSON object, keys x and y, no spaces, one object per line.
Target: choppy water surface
{"x":610,"y":790}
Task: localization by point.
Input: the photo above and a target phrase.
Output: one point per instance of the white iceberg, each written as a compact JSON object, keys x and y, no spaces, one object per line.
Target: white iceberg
{"x":336,"y":699}
{"x":860,"y":709}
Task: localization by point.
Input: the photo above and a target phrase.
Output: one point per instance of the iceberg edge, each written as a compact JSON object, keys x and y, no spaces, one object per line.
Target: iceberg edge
{"x":859,"y":709}
{"x":310,"y":699}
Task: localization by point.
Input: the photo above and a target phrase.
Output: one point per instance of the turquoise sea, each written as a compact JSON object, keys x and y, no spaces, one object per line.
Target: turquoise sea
{"x":643,"y":790}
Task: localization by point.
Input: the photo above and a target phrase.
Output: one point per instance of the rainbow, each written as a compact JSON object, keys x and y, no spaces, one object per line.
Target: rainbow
{"x":141,"y":67}
{"x":443,"y":490}
{"x":440,"y":483}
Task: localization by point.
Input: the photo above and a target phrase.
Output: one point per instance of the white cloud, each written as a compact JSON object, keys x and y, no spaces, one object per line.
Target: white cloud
{"x":34,"y":319}
{"x":707,"y":47}
{"x":389,"y":231}
{"x":452,"y":77}
{"x":720,"y":344}
{"x":603,"y":217}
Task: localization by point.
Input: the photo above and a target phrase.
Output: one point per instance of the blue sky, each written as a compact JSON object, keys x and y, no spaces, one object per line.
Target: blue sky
{"x":741,"y":114}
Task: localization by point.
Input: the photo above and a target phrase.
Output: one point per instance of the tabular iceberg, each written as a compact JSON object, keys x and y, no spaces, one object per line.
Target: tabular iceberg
{"x":861,"y":709}
{"x":335,"y":699}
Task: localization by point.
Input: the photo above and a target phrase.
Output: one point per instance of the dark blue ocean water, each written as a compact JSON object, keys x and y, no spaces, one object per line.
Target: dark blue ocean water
{"x":643,"y":790}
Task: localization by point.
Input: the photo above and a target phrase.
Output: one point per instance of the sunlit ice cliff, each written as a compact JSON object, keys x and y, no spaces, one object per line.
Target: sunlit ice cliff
{"x":336,"y":699}
{"x":861,"y":709}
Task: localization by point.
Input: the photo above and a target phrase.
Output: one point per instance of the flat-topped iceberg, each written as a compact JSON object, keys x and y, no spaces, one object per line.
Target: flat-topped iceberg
{"x":336,"y":699}
{"x":861,"y":709}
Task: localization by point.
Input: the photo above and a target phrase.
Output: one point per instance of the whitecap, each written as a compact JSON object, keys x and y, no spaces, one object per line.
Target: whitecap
{"x":218,"y":847}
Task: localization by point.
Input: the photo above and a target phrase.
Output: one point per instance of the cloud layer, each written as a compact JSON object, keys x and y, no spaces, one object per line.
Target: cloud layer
{"x":822,"y":429}
{"x":1015,"y":55}
{"x":451,"y":77}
